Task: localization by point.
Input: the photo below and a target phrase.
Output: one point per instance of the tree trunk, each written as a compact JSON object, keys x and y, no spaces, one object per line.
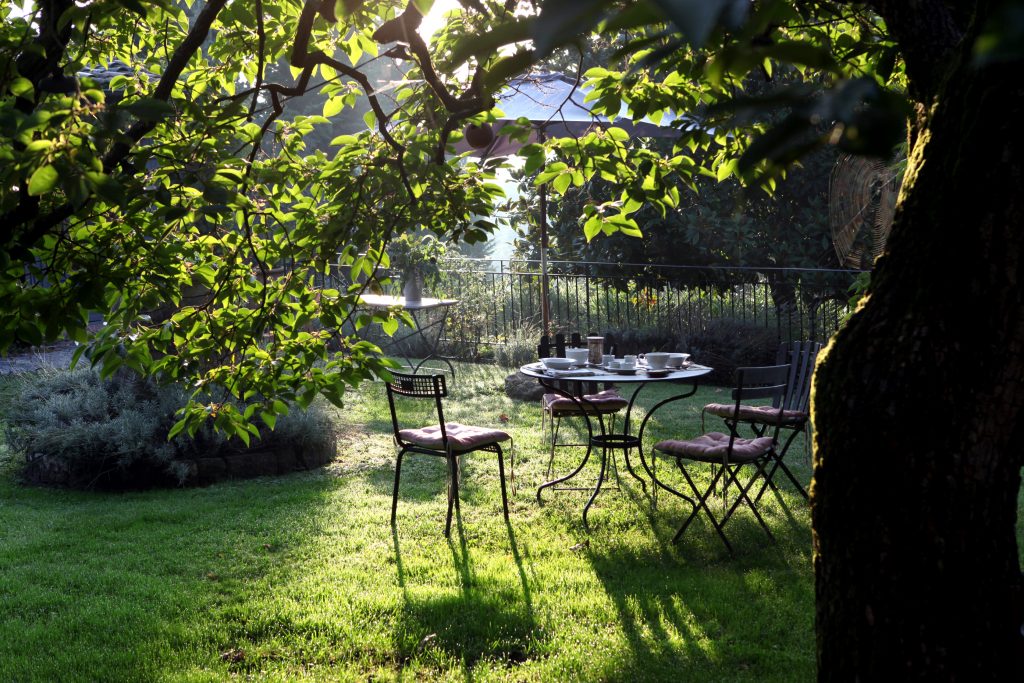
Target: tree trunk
{"x":918,"y":414}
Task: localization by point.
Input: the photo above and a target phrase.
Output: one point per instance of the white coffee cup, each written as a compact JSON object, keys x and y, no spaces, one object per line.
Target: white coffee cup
{"x":656,"y":360}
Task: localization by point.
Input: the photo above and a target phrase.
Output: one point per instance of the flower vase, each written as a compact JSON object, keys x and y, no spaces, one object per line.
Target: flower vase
{"x":412,"y":287}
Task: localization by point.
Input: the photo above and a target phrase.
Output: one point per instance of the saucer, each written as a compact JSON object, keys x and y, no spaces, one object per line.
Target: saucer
{"x":661,"y":372}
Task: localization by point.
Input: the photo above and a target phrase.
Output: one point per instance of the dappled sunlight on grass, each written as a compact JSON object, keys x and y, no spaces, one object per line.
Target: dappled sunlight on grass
{"x":302,"y":577}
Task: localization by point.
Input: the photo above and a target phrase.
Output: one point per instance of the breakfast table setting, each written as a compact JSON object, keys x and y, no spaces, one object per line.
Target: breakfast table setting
{"x":636,"y":371}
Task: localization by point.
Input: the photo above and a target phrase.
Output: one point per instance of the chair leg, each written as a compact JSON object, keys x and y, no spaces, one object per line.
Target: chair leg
{"x":778,"y":464}
{"x":555,"y":424}
{"x":457,"y":461}
{"x":654,"y":476}
{"x":501,"y":476}
{"x":453,"y":493}
{"x":743,"y":496}
{"x":512,"y":465}
{"x":782,"y":454}
{"x":702,"y":504}
{"x":394,"y":495}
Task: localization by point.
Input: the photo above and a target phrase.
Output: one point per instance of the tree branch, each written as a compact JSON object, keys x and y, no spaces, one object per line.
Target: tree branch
{"x":27,"y":211}
{"x":928,"y":32}
{"x":182,"y":54}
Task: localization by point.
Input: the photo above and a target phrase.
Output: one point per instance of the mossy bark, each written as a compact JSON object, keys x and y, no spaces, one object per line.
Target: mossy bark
{"x":918,"y":413}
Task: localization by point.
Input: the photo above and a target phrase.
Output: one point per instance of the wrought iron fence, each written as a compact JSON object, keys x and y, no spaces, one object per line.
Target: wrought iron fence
{"x":499,"y":299}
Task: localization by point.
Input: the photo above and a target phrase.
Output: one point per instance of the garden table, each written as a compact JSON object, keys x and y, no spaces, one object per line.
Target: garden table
{"x":430,"y":331}
{"x":602,"y":438}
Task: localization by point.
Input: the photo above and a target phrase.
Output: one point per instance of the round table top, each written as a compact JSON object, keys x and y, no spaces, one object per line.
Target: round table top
{"x":599,"y":374}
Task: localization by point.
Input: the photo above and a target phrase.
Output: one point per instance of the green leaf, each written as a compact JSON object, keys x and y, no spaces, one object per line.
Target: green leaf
{"x":134,"y":6}
{"x":507,"y":67}
{"x":695,"y":19}
{"x":552,"y":171}
{"x":42,"y":180}
{"x":21,"y":87}
{"x":510,"y":32}
{"x":333,"y":106}
{"x":560,"y":21}
{"x":561,"y":183}
{"x":345,"y":140}
{"x":725,"y":169}
{"x":149,"y":109}
{"x":178,"y":427}
{"x":636,"y":14}
{"x":795,"y":52}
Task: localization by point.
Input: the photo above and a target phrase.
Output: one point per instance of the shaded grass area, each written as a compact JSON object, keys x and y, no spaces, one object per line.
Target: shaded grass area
{"x":303,"y":578}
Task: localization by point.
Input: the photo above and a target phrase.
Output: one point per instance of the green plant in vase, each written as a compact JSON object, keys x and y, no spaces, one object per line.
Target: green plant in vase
{"x":416,"y":258}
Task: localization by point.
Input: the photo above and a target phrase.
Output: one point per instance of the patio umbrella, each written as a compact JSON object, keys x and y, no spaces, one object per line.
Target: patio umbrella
{"x":555,"y":105}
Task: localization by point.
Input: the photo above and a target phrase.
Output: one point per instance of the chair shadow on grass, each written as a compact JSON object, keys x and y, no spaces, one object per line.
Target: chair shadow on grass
{"x":683,"y":621}
{"x":485,"y":618}
{"x":693,"y":607}
{"x":672,"y":629}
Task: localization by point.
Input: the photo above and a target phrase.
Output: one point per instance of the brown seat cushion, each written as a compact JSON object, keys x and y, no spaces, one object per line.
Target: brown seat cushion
{"x":760,"y":414}
{"x":607,"y":401}
{"x":461,"y":437}
{"x":713,"y":446}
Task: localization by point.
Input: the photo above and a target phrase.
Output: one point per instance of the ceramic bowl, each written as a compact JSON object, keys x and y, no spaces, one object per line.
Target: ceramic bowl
{"x":557,"y":363}
{"x":579,"y":356}
{"x":656,"y":360}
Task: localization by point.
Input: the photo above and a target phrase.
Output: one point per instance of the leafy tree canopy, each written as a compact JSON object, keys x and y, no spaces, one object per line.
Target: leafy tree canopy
{"x":190,"y":182}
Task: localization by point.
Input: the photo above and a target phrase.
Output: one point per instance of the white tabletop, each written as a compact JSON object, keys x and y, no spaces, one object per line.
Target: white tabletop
{"x":599,"y":374}
{"x":386,"y":301}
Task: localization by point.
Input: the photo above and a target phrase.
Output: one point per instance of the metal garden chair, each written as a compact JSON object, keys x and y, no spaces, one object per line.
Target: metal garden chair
{"x":555,"y":407}
{"x":792,"y":407}
{"x":729,"y":453}
{"x":448,"y":440}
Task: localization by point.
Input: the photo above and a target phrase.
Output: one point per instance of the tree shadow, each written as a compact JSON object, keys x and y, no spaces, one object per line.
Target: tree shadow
{"x":669,"y":597}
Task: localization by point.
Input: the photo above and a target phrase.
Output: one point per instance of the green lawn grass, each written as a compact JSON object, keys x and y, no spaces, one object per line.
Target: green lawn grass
{"x":303,"y":578}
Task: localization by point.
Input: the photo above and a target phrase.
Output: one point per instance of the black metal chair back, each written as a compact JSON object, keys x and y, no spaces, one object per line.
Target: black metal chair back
{"x":759,"y":383}
{"x":422,"y":387}
{"x":765,"y":381}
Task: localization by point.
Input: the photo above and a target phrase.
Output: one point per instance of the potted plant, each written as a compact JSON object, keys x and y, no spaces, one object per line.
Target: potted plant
{"x":415,"y":257}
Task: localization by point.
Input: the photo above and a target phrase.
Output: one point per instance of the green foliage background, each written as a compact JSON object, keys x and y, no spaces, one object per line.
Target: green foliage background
{"x":198,"y":200}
